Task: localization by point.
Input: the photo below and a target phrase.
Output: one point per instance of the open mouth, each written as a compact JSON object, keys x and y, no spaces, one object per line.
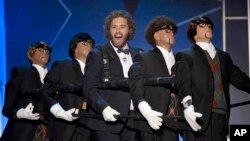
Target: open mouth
{"x":118,"y":37}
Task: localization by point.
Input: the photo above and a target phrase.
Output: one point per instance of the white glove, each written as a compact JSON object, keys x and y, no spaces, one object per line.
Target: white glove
{"x":152,"y":116}
{"x":59,"y":112}
{"x":191,"y":116}
{"x":109,"y":113}
{"x":27,"y":113}
{"x":189,"y":113}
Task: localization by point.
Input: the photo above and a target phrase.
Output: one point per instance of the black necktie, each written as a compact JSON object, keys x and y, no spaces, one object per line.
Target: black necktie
{"x":125,"y":51}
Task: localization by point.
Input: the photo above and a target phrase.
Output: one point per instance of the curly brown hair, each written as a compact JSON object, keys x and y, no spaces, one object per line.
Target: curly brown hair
{"x":156,"y":24}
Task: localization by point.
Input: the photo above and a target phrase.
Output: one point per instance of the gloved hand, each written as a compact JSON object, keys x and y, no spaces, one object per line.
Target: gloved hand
{"x":152,"y":116}
{"x":191,"y":116}
{"x":59,"y":112}
{"x":189,"y":113}
{"x":108,"y":114}
{"x":27,"y":113}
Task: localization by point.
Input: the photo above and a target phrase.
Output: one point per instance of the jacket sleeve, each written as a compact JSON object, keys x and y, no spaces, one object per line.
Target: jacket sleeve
{"x":182,"y":69}
{"x":182,"y":78}
{"x":92,"y":80}
{"x":51,"y":80}
{"x":136,"y":74}
{"x":11,"y":90}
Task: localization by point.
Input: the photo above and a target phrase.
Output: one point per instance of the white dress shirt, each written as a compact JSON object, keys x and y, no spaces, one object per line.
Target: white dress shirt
{"x":209,"y":47}
{"x":42,"y":72}
{"x":126,"y":61}
{"x":168,"y":57}
{"x":82,"y":65}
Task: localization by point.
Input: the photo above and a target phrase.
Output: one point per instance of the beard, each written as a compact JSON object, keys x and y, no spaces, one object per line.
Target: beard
{"x":119,"y":42}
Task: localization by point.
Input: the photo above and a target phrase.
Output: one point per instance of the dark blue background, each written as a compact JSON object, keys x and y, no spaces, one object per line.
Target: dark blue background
{"x":55,"y":22}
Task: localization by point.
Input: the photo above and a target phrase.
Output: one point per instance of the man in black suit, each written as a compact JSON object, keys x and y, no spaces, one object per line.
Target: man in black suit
{"x":212,"y":71}
{"x":22,"y":98}
{"x":107,"y":63}
{"x":154,"y":101}
{"x":66,"y":78}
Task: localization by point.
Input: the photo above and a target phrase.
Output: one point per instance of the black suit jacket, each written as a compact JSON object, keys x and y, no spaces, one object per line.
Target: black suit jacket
{"x":63,"y":73}
{"x":22,"y":79}
{"x":149,"y":64}
{"x":202,"y":80}
{"x":98,"y":99}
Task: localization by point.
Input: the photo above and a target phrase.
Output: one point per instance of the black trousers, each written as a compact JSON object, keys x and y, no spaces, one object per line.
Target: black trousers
{"x":216,"y":131}
{"x":81,"y":133}
{"x":163,"y":134}
{"x":127,"y":134}
{"x":81,"y":137}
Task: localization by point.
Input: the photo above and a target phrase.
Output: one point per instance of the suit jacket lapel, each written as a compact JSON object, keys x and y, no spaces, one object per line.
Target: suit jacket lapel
{"x":160,"y":59}
{"x":77,"y":68}
{"x":35,"y":74}
{"x":111,"y":52}
{"x":133,"y":51}
{"x":222,"y":62}
{"x":112,"y":56}
{"x":200,"y":53}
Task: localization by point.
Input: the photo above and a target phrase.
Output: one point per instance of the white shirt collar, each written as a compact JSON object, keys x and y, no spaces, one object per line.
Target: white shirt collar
{"x":42,"y":71}
{"x":168,"y":57}
{"x":125,"y":59}
{"x":82,"y":65}
{"x":164,"y":50}
{"x":209,"y":47}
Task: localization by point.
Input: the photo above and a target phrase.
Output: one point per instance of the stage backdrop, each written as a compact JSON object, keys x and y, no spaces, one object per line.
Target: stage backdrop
{"x":56,"y":21}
